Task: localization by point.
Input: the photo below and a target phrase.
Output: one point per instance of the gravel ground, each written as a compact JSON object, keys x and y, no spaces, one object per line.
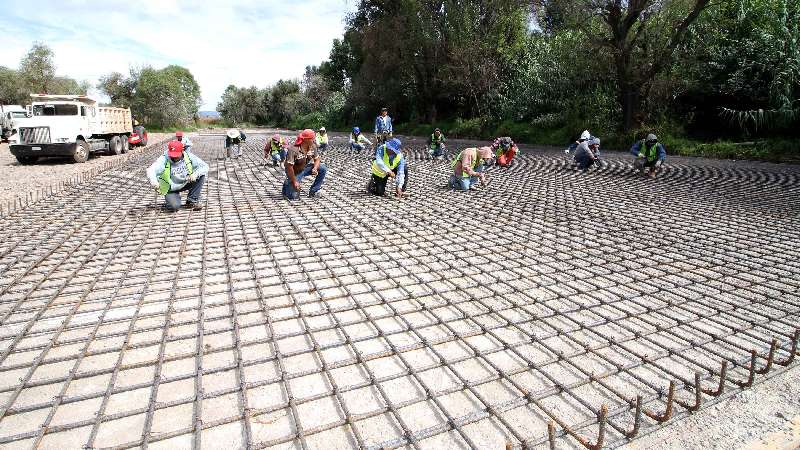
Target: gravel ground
{"x":20,"y":180}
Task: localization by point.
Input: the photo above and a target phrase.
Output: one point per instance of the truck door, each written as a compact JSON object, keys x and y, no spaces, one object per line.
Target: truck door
{"x":89,"y":119}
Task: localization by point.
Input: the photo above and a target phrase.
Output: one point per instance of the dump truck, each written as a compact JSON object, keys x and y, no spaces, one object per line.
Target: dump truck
{"x":69,"y":125}
{"x":8,"y":118}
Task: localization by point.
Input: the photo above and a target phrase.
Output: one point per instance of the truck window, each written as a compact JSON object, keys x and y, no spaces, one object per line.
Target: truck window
{"x":18,"y":114}
{"x":55,"y":110}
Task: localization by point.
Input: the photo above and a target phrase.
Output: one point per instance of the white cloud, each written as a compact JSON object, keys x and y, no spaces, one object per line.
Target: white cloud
{"x":241,"y":42}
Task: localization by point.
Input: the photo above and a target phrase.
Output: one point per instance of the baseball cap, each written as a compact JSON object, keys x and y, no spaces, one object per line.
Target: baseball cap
{"x":179,"y":133}
{"x":305,"y":134}
{"x":394,"y":145}
{"x":175,"y":149}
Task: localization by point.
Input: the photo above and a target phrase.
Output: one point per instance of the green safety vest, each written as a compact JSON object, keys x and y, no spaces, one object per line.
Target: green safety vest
{"x":464,"y":173}
{"x":165,"y":179}
{"x":322,"y":139}
{"x":650,"y":153}
{"x":434,"y":141}
{"x":276,"y":146}
{"x":376,"y":170}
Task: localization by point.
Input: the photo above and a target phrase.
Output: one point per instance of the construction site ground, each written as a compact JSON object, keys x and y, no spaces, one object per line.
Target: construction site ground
{"x":548,"y":299}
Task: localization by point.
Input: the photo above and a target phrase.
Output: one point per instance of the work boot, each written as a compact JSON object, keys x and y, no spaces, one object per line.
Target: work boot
{"x":194,"y":206}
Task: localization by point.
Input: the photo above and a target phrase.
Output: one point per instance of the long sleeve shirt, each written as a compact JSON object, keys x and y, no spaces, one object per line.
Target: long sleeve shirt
{"x":361,"y":139}
{"x":383,"y":124}
{"x":465,"y":165}
{"x":179,"y":173}
{"x":399,"y":171}
{"x":584,"y":149}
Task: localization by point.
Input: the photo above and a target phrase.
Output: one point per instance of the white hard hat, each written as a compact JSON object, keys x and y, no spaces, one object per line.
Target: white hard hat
{"x":233,"y":134}
{"x":595,"y":141}
{"x":322,"y":129}
{"x":585,"y":135}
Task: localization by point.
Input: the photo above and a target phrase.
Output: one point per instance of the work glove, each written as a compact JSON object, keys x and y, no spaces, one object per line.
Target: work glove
{"x":658,"y":163}
{"x":640,"y":155}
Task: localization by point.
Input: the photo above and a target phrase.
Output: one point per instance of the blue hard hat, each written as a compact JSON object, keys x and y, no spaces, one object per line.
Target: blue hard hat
{"x":394,"y":145}
{"x":356,"y":130}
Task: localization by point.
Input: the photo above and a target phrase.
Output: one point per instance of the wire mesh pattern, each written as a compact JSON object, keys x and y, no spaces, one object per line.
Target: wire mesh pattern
{"x":549,"y":309}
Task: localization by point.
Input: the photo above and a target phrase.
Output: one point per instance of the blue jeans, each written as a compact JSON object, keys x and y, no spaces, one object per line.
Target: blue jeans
{"x":173,"y":198}
{"x":437,"y":150}
{"x":355,"y":146}
{"x":278,"y":156}
{"x":234,"y":150}
{"x":464,"y":183}
{"x":288,"y":190}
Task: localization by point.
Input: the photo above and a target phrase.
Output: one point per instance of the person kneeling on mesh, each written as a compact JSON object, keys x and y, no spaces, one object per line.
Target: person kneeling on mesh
{"x":650,"y":155}
{"x":302,"y":161}
{"x":389,"y":163}
{"x":175,"y":171}
{"x":468,"y":168}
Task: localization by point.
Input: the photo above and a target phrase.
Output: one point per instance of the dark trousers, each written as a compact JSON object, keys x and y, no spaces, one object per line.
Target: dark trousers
{"x":378,"y":185}
{"x":173,"y":198}
{"x":584,"y":161}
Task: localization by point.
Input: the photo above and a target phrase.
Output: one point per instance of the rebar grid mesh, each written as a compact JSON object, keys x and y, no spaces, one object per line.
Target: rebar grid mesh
{"x":466,"y":320}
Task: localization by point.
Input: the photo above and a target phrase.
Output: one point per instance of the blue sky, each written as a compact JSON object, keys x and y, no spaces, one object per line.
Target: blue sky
{"x":241,"y":42}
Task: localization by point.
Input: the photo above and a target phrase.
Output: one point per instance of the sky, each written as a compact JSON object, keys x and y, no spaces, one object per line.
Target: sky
{"x":239,"y":42}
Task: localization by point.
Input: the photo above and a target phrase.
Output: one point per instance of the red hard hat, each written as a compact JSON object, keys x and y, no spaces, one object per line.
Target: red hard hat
{"x":175,"y":149}
{"x":305,"y":134}
{"x":179,"y":134}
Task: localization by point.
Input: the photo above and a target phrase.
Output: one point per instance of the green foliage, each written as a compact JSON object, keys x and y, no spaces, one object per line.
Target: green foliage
{"x":12,"y":87}
{"x":38,"y":69}
{"x":166,"y":97}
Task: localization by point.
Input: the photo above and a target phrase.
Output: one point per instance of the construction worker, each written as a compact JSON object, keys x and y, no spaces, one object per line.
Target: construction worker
{"x":650,"y":155}
{"x":383,"y":127}
{"x":187,"y":143}
{"x":468,"y":167}
{"x":275,"y":149}
{"x":389,"y":163}
{"x":301,"y":161}
{"x":504,"y":149}
{"x":587,"y":153}
{"x":175,"y":171}
{"x":322,"y":140}
{"x":233,"y":141}
{"x":436,"y":144}
{"x":358,"y":140}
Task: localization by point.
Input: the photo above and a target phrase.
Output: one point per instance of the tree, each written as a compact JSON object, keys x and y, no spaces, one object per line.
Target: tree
{"x":12,"y":91}
{"x":38,"y":69}
{"x":119,"y":88}
{"x":166,"y":97}
{"x":641,"y":38}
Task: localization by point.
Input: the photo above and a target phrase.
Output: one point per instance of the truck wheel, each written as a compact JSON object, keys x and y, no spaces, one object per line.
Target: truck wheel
{"x":124,"y":142}
{"x":114,"y":145}
{"x":81,"y":153}
{"x":27,"y":160}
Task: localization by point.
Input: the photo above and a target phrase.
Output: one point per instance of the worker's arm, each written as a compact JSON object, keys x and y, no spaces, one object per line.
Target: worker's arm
{"x":662,"y":153}
{"x":636,"y":148}
{"x":401,"y":173}
{"x":366,"y":140}
{"x":389,"y":125}
{"x":155,"y":169}
{"x":467,"y":162}
{"x":379,"y":160}
{"x":377,"y":121}
{"x":290,"y":173}
{"x":199,"y":167}
{"x":317,"y":162}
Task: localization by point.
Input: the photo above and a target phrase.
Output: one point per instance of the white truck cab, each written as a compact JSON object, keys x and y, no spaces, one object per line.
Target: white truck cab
{"x":69,"y":125}
{"x":8,"y":116}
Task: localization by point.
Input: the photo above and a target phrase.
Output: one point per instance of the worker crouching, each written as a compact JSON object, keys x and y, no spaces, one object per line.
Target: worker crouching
{"x":389,"y":163}
{"x":176,"y":171}
{"x":468,"y":168}
{"x":301,"y":161}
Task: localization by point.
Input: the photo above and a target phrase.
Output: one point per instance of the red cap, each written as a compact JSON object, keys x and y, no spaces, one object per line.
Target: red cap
{"x":305,"y":134}
{"x":179,"y":134}
{"x":175,"y":149}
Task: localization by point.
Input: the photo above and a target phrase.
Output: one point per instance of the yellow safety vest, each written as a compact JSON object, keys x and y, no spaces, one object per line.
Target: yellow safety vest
{"x":464,"y":173}
{"x":376,"y":170}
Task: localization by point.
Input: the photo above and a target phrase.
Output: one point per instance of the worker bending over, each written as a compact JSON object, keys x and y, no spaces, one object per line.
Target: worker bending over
{"x":468,"y":167}
{"x":504,"y":149}
{"x":389,"y":163}
{"x":275,"y":149}
{"x":358,"y":140}
{"x":302,"y":161}
{"x":650,"y":155}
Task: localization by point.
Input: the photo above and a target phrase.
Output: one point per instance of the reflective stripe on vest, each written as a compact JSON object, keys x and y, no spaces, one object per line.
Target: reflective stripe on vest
{"x":475,"y":163}
{"x":165,"y":179}
{"x":322,"y":139}
{"x":376,"y":170}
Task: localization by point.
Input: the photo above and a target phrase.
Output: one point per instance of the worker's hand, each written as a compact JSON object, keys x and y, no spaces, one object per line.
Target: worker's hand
{"x":296,"y":185}
{"x":390,"y":174}
{"x":193,"y":178}
{"x":482,"y":176}
{"x":658,"y":163}
{"x":640,"y":155}
{"x":314,"y":171}
{"x":157,"y":188}
{"x":398,"y":193}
